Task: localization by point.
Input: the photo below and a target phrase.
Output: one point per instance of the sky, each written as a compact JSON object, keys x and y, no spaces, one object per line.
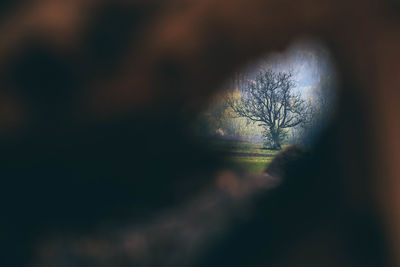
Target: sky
{"x":313,"y":69}
{"x":309,"y":61}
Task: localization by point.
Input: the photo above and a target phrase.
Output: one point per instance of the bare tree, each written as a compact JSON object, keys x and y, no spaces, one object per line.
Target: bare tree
{"x":269,"y":100}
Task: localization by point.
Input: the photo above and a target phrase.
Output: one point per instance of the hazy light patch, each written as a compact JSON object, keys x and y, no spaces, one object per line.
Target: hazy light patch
{"x":309,"y":61}
{"x":250,"y":140}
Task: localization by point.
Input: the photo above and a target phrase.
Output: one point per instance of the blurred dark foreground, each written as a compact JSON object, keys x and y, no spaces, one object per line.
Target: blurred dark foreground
{"x":99,"y":168}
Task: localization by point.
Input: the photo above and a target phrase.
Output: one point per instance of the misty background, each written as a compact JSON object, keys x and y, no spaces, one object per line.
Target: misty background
{"x":315,"y":79}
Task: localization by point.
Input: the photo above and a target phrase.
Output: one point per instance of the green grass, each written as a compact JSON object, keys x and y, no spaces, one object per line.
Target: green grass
{"x":244,"y":156}
{"x":251,"y":164}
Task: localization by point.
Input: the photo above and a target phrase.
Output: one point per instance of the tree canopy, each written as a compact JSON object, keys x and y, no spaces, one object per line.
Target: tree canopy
{"x":269,"y":100}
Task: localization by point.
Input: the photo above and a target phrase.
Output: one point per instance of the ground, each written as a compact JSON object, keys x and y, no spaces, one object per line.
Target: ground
{"x":248,"y":157}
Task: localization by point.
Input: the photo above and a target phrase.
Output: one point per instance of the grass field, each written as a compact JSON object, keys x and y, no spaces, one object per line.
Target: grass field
{"x":246,"y":156}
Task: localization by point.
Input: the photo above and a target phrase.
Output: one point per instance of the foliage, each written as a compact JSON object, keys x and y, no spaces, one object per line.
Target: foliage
{"x":269,"y":137}
{"x":220,"y":120}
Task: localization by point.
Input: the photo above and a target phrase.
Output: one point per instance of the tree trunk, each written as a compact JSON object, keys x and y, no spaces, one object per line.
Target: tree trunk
{"x":277,"y":143}
{"x":275,"y":138}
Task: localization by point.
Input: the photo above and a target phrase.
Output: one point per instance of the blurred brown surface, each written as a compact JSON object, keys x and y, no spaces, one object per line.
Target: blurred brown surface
{"x":96,"y":94}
